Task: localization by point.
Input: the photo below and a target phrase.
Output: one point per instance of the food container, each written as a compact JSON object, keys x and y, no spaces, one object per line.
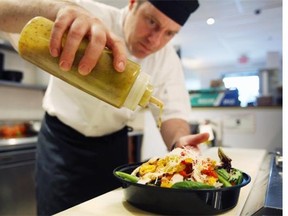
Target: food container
{"x":12,"y":129}
{"x":179,"y":201}
{"x":128,"y":89}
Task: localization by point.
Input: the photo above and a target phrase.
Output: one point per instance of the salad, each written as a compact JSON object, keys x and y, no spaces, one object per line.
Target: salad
{"x":186,"y":168}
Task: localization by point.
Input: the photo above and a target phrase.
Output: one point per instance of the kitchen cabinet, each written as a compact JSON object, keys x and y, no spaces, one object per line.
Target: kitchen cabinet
{"x":17,"y":167}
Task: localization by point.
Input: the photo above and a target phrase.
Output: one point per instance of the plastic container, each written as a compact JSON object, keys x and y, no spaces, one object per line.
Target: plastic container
{"x":127,"y":89}
{"x":171,"y":201}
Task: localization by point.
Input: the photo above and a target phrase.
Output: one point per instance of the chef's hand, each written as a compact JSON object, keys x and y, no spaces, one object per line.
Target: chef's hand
{"x":192,"y":140}
{"x":79,"y":23}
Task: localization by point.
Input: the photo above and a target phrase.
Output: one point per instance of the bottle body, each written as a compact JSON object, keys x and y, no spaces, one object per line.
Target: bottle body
{"x":104,"y":82}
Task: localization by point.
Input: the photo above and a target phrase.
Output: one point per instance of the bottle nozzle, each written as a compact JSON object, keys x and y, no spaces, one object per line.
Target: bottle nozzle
{"x":156,"y":102}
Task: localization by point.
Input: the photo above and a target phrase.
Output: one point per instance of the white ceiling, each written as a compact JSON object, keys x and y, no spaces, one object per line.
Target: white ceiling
{"x":237,"y":31}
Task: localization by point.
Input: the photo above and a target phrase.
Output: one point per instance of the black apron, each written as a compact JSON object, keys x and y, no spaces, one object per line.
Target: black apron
{"x":72,"y":168}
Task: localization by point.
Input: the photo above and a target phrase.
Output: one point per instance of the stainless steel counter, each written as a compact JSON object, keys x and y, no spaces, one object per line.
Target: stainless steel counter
{"x":273,"y":198}
{"x":17,"y":164}
{"x":17,"y":143}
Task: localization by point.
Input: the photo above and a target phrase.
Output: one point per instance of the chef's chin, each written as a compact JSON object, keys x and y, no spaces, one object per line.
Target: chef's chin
{"x":140,"y":54}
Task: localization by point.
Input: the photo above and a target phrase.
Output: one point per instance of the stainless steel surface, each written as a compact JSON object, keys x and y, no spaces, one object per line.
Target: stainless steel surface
{"x":17,"y":182}
{"x":17,"y":143}
{"x":17,"y":163}
{"x":266,"y":196}
{"x":273,"y":200}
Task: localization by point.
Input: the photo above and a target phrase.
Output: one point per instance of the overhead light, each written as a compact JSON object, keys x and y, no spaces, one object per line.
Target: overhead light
{"x":210,"y":21}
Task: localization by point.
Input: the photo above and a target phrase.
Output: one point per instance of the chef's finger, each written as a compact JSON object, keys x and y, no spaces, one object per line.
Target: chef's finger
{"x":61,"y":25}
{"x":119,"y":51}
{"x":97,"y":42}
{"x":75,"y":35}
{"x":195,"y":139}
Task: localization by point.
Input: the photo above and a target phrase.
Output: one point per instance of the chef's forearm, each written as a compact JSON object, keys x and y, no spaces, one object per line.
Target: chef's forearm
{"x":14,"y":14}
{"x":172,"y":130}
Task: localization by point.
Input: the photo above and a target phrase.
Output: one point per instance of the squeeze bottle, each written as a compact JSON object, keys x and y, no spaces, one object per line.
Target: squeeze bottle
{"x":127,"y":89}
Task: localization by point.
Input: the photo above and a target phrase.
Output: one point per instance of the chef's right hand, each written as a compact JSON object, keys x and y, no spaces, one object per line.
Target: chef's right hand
{"x":79,"y":23}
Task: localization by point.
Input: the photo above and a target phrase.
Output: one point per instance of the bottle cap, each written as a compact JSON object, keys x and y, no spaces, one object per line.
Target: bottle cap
{"x":137,"y":91}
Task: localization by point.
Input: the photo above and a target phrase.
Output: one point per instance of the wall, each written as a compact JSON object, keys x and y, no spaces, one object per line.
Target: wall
{"x":201,"y":77}
{"x":261,"y":128}
{"x":20,"y":103}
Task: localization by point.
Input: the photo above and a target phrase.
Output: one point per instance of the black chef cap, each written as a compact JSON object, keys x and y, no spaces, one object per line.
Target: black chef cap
{"x":177,"y":10}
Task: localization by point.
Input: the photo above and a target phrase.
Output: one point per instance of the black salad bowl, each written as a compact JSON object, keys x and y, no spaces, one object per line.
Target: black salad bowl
{"x":169,"y":201}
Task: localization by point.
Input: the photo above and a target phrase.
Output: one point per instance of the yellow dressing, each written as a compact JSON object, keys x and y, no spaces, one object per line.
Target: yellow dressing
{"x":159,"y":104}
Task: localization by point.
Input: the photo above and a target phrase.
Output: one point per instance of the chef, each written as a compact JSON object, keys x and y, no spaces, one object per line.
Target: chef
{"x":82,"y":139}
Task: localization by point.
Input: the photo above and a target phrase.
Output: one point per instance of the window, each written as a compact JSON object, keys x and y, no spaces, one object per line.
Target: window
{"x":247,"y":85}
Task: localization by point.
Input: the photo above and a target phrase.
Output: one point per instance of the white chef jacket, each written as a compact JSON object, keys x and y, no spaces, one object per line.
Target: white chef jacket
{"x":92,"y":117}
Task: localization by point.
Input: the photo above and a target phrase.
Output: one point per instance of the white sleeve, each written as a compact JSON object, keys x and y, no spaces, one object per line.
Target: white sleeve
{"x":169,"y":86}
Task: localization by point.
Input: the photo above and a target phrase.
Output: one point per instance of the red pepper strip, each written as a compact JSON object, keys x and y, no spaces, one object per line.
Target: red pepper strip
{"x":209,"y":173}
{"x":183,"y":173}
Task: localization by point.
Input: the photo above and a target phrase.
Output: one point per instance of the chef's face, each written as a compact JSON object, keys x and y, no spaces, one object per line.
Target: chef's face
{"x":147,"y":29}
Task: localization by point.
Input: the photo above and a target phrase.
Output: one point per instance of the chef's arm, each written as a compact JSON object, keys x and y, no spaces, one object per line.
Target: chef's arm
{"x":176,"y":133}
{"x":69,"y":18}
{"x":14,"y":14}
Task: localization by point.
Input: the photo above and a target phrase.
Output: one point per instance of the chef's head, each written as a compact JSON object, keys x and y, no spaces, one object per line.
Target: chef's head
{"x":151,"y":24}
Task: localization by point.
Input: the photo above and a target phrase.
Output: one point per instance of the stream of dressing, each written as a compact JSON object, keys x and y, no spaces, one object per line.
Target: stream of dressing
{"x":159,"y":104}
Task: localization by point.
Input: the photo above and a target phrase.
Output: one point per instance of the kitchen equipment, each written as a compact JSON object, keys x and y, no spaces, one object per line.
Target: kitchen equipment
{"x":17,"y":182}
{"x":179,"y":201}
{"x":127,"y":89}
{"x":17,"y":162}
{"x":13,"y":129}
{"x":214,"y":97}
{"x":11,"y":75}
{"x":266,"y":198}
